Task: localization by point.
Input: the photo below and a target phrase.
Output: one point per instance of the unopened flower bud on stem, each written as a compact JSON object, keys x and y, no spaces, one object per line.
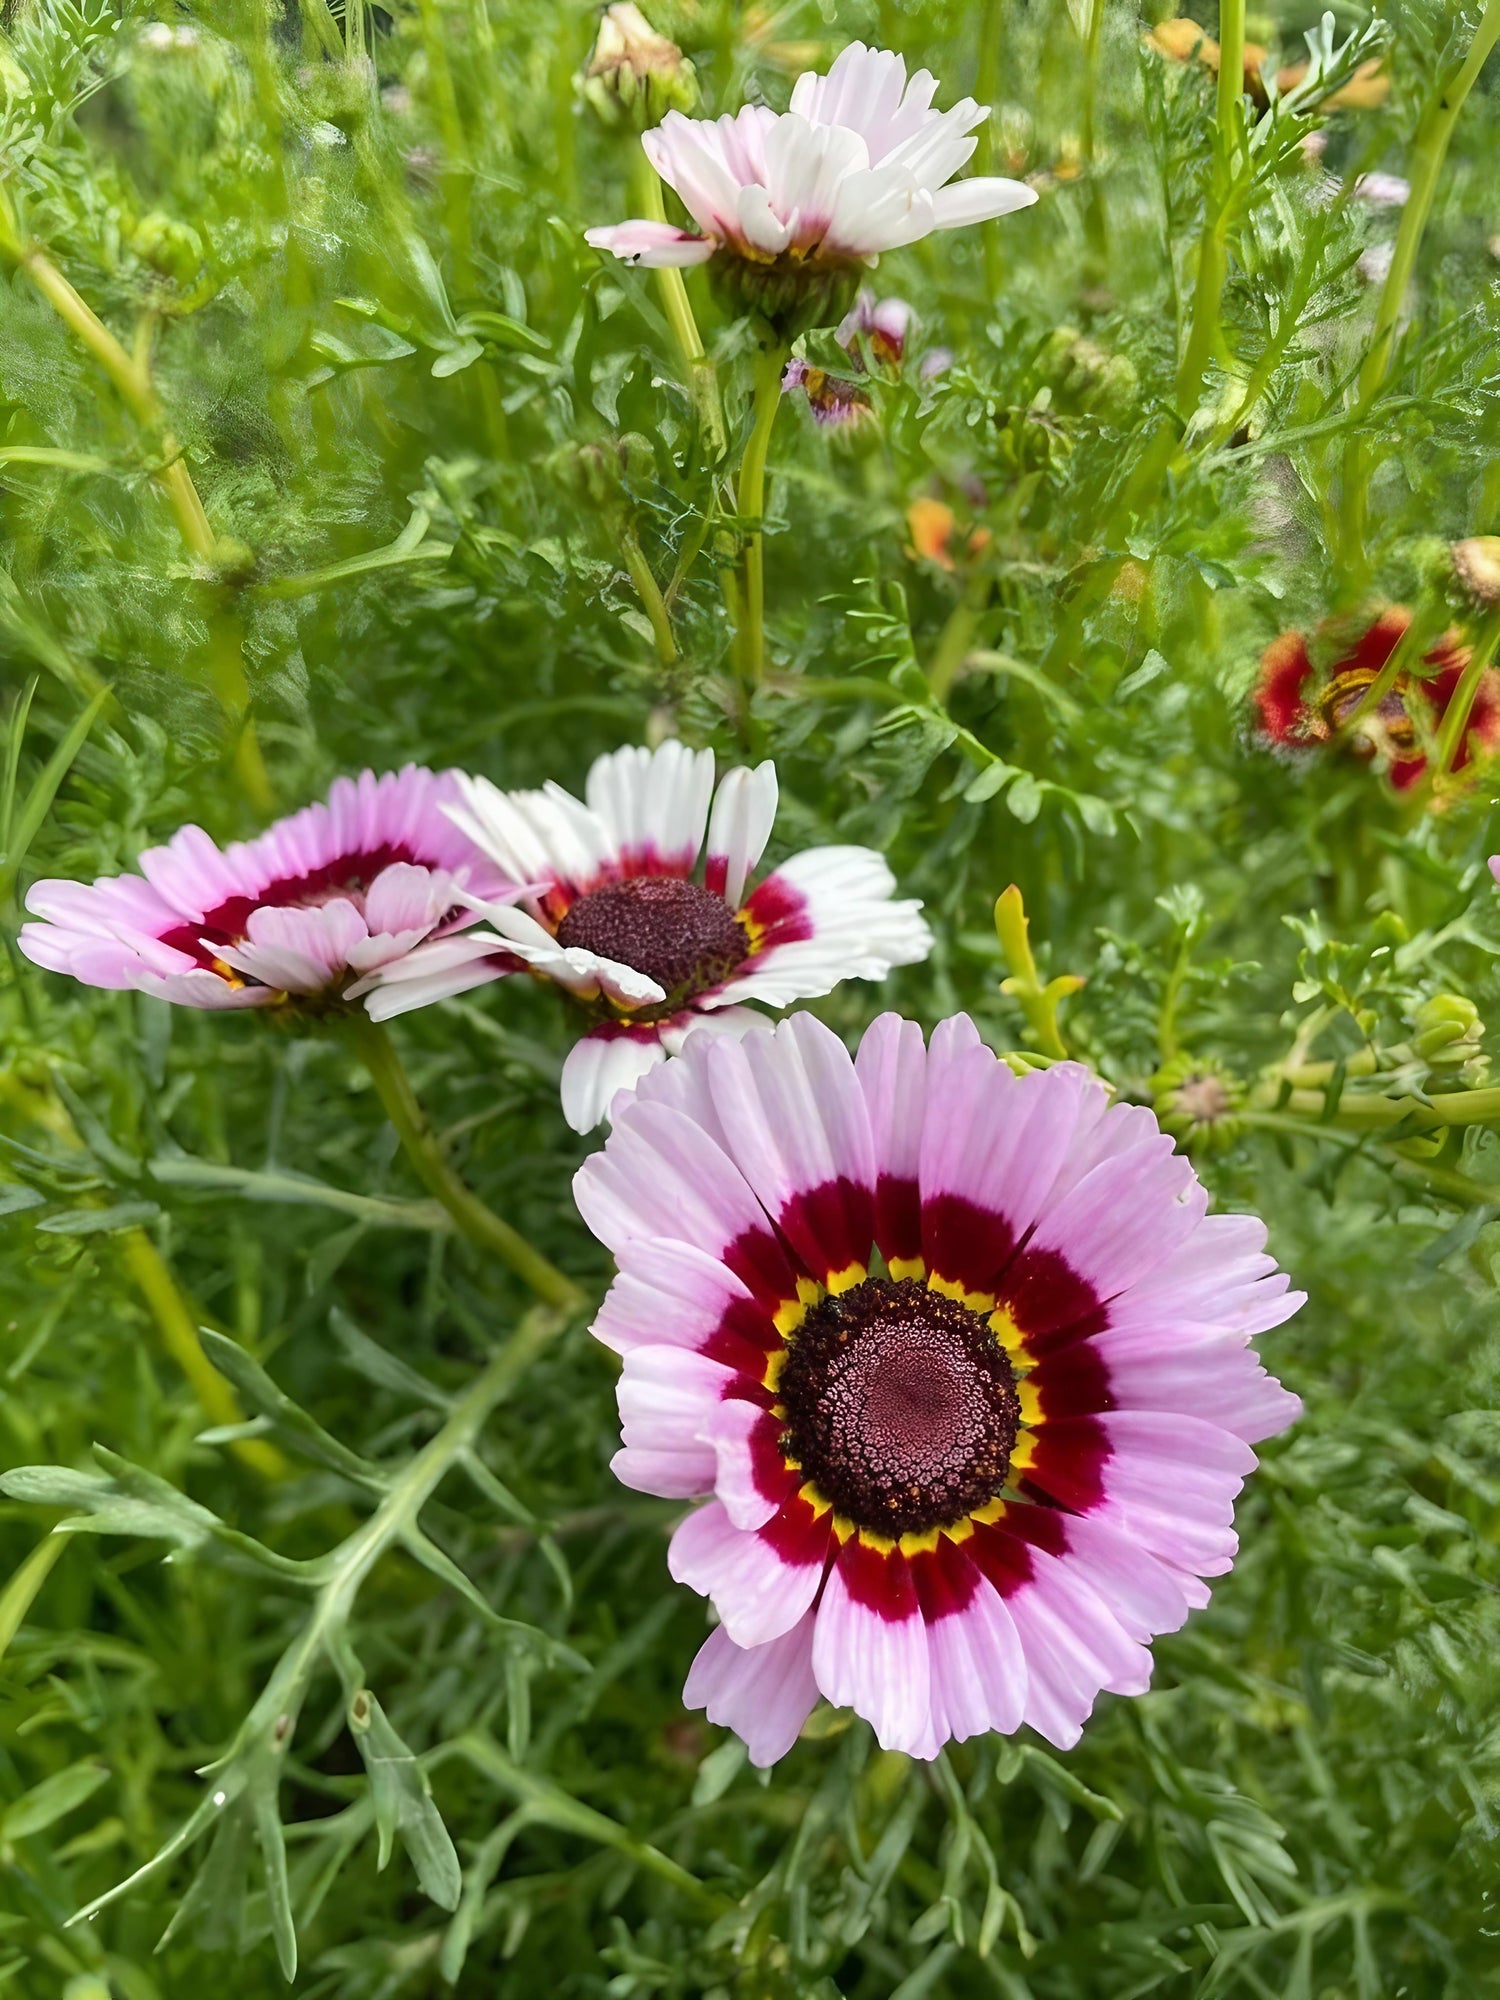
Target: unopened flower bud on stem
{"x":635,"y":76}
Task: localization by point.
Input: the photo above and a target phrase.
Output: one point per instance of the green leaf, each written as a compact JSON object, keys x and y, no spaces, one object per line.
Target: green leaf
{"x":52,"y":1799}
{"x":44,"y":789}
{"x":100,"y":1221}
{"x":403,"y":1803}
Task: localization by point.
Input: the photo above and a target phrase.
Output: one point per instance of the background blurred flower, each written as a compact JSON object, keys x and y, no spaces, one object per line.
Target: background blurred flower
{"x":1301,"y":709}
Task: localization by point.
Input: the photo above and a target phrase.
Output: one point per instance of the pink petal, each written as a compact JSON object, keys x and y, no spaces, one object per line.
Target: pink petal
{"x":657,"y":245}
{"x":763,"y":1693}
{"x":870,"y":1647}
{"x":602,"y":1066}
{"x":760,"y":1583}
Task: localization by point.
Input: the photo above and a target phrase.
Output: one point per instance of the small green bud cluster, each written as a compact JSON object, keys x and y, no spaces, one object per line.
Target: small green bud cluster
{"x":1197,"y":1101}
{"x":1447,"y":1038}
{"x":635,"y":76}
{"x":600,"y":474}
{"x":1085,"y":377}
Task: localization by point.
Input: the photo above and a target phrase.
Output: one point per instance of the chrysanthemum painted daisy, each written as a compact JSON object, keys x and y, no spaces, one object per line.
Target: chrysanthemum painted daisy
{"x":791,"y":206}
{"x":958,"y":1361}
{"x":339,"y":890}
{"x":1299,"y":710}
{"x":613,"y":913}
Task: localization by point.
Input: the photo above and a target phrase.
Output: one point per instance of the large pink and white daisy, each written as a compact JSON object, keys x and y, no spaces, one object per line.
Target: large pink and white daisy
{"x":614,"y":914}
{"x":371,"y":879}
{"x":861,"y":163}
{"x":958,"y":1361}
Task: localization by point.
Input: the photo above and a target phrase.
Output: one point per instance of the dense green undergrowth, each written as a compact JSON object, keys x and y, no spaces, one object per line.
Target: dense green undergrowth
{"x":342,"y":255}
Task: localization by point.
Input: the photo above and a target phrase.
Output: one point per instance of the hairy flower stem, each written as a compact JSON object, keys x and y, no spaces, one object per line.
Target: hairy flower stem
{"x":479,"y":1223}
{"x":750,"y":505}
{"x":702,"y":380}
{"x":649,"y":592}
{"x":130,"y":376}
{"x":1428,"y":153}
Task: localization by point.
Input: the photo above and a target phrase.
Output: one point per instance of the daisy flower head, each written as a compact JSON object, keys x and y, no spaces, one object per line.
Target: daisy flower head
{"x":367,"y":880}
{"x":1300,"y":709}
{"x":617,"y":913}
{"x":957,"y":1361}
{"x":790,"y":207}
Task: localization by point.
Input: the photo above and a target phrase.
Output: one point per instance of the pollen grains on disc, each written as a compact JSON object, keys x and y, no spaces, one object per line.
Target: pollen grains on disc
{"x":684,"y":937}
{"x":901,"y":1406}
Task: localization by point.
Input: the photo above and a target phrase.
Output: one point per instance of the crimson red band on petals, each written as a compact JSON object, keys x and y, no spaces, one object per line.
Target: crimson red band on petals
{"x":880,"y":1580}
{"x":226,"y":922}
{"x":1073,"y":1381}
{"x":830,"y":1227}
{"x":797,"y":1532}
{"x":1003,"y":1559}
{"x":1067,"y":1463}
{"x":743,"y":1338}
{"x":1049,"y":1302}
{"x":779,"y":914}
{"x":716,"y":874}
{"x":768,"y":1468}
{"x":964,"y":1242}
{"x":758,"y":1258}
{"x":945,"y":1578}
{"x":898,"y":1219}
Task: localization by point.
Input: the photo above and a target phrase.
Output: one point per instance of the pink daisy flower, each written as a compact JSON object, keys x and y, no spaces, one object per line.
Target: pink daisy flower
{"x":613,"y":915}
{"x":861,"y":163}
{"x":371,"y":879}
{"x":958,"y":1359}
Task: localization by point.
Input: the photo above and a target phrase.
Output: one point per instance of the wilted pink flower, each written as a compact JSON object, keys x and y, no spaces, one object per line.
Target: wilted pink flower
{"x":614,"y":916}
{"x":861,"y":163}
{"x":882,"y":324}
{"x":370,"y":880}
{"x":958,"y":1488}
{"x":834,"y":402}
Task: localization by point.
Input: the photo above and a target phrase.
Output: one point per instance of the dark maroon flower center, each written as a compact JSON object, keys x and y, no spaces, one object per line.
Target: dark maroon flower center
{"x":901,"y":1406}
{"x":685,"y":938}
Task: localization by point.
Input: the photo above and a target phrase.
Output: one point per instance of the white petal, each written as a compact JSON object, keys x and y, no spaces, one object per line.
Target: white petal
{"x":743,"y":815}
{"x":600,"y":1066}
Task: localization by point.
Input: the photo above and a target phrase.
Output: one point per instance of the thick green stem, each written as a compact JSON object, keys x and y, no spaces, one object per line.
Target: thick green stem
{"x":750,"y":505}
{"x":987,"y":89}
{"x":1428,"y":154}
{"x":479,"y":1223}
{"x":1213,"y":251}
{"x":956,"y":640}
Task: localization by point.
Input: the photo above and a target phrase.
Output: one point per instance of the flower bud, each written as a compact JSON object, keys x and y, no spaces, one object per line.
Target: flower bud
{"x":597,"y":475}
{"x":635,"y":76}
{"x":1448,"y":1031}
{"x":1476,"y":564}
{"x":1198,"y":1102}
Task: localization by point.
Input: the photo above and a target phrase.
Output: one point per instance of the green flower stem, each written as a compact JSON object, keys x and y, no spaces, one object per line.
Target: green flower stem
{"x":479,"y":1223}
{"x":956,"y":640}
{"x":703,"y":381}
{"x":1428,"y":153}
{"x":130,"y":377}
{"x":1213,"y":250}
{"x":649,"y":592}
{"x":1442,"y":1180}
{"x":1037,"y":1002}
{"x":987,"y":89}
{"x":1455,"y":723}
{"x":257,"y":1757}
{"x":1370,"y":1111}
{"x":21,"y":1592}
{"x":750,"y":505}
{"x":178,"y":1326}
